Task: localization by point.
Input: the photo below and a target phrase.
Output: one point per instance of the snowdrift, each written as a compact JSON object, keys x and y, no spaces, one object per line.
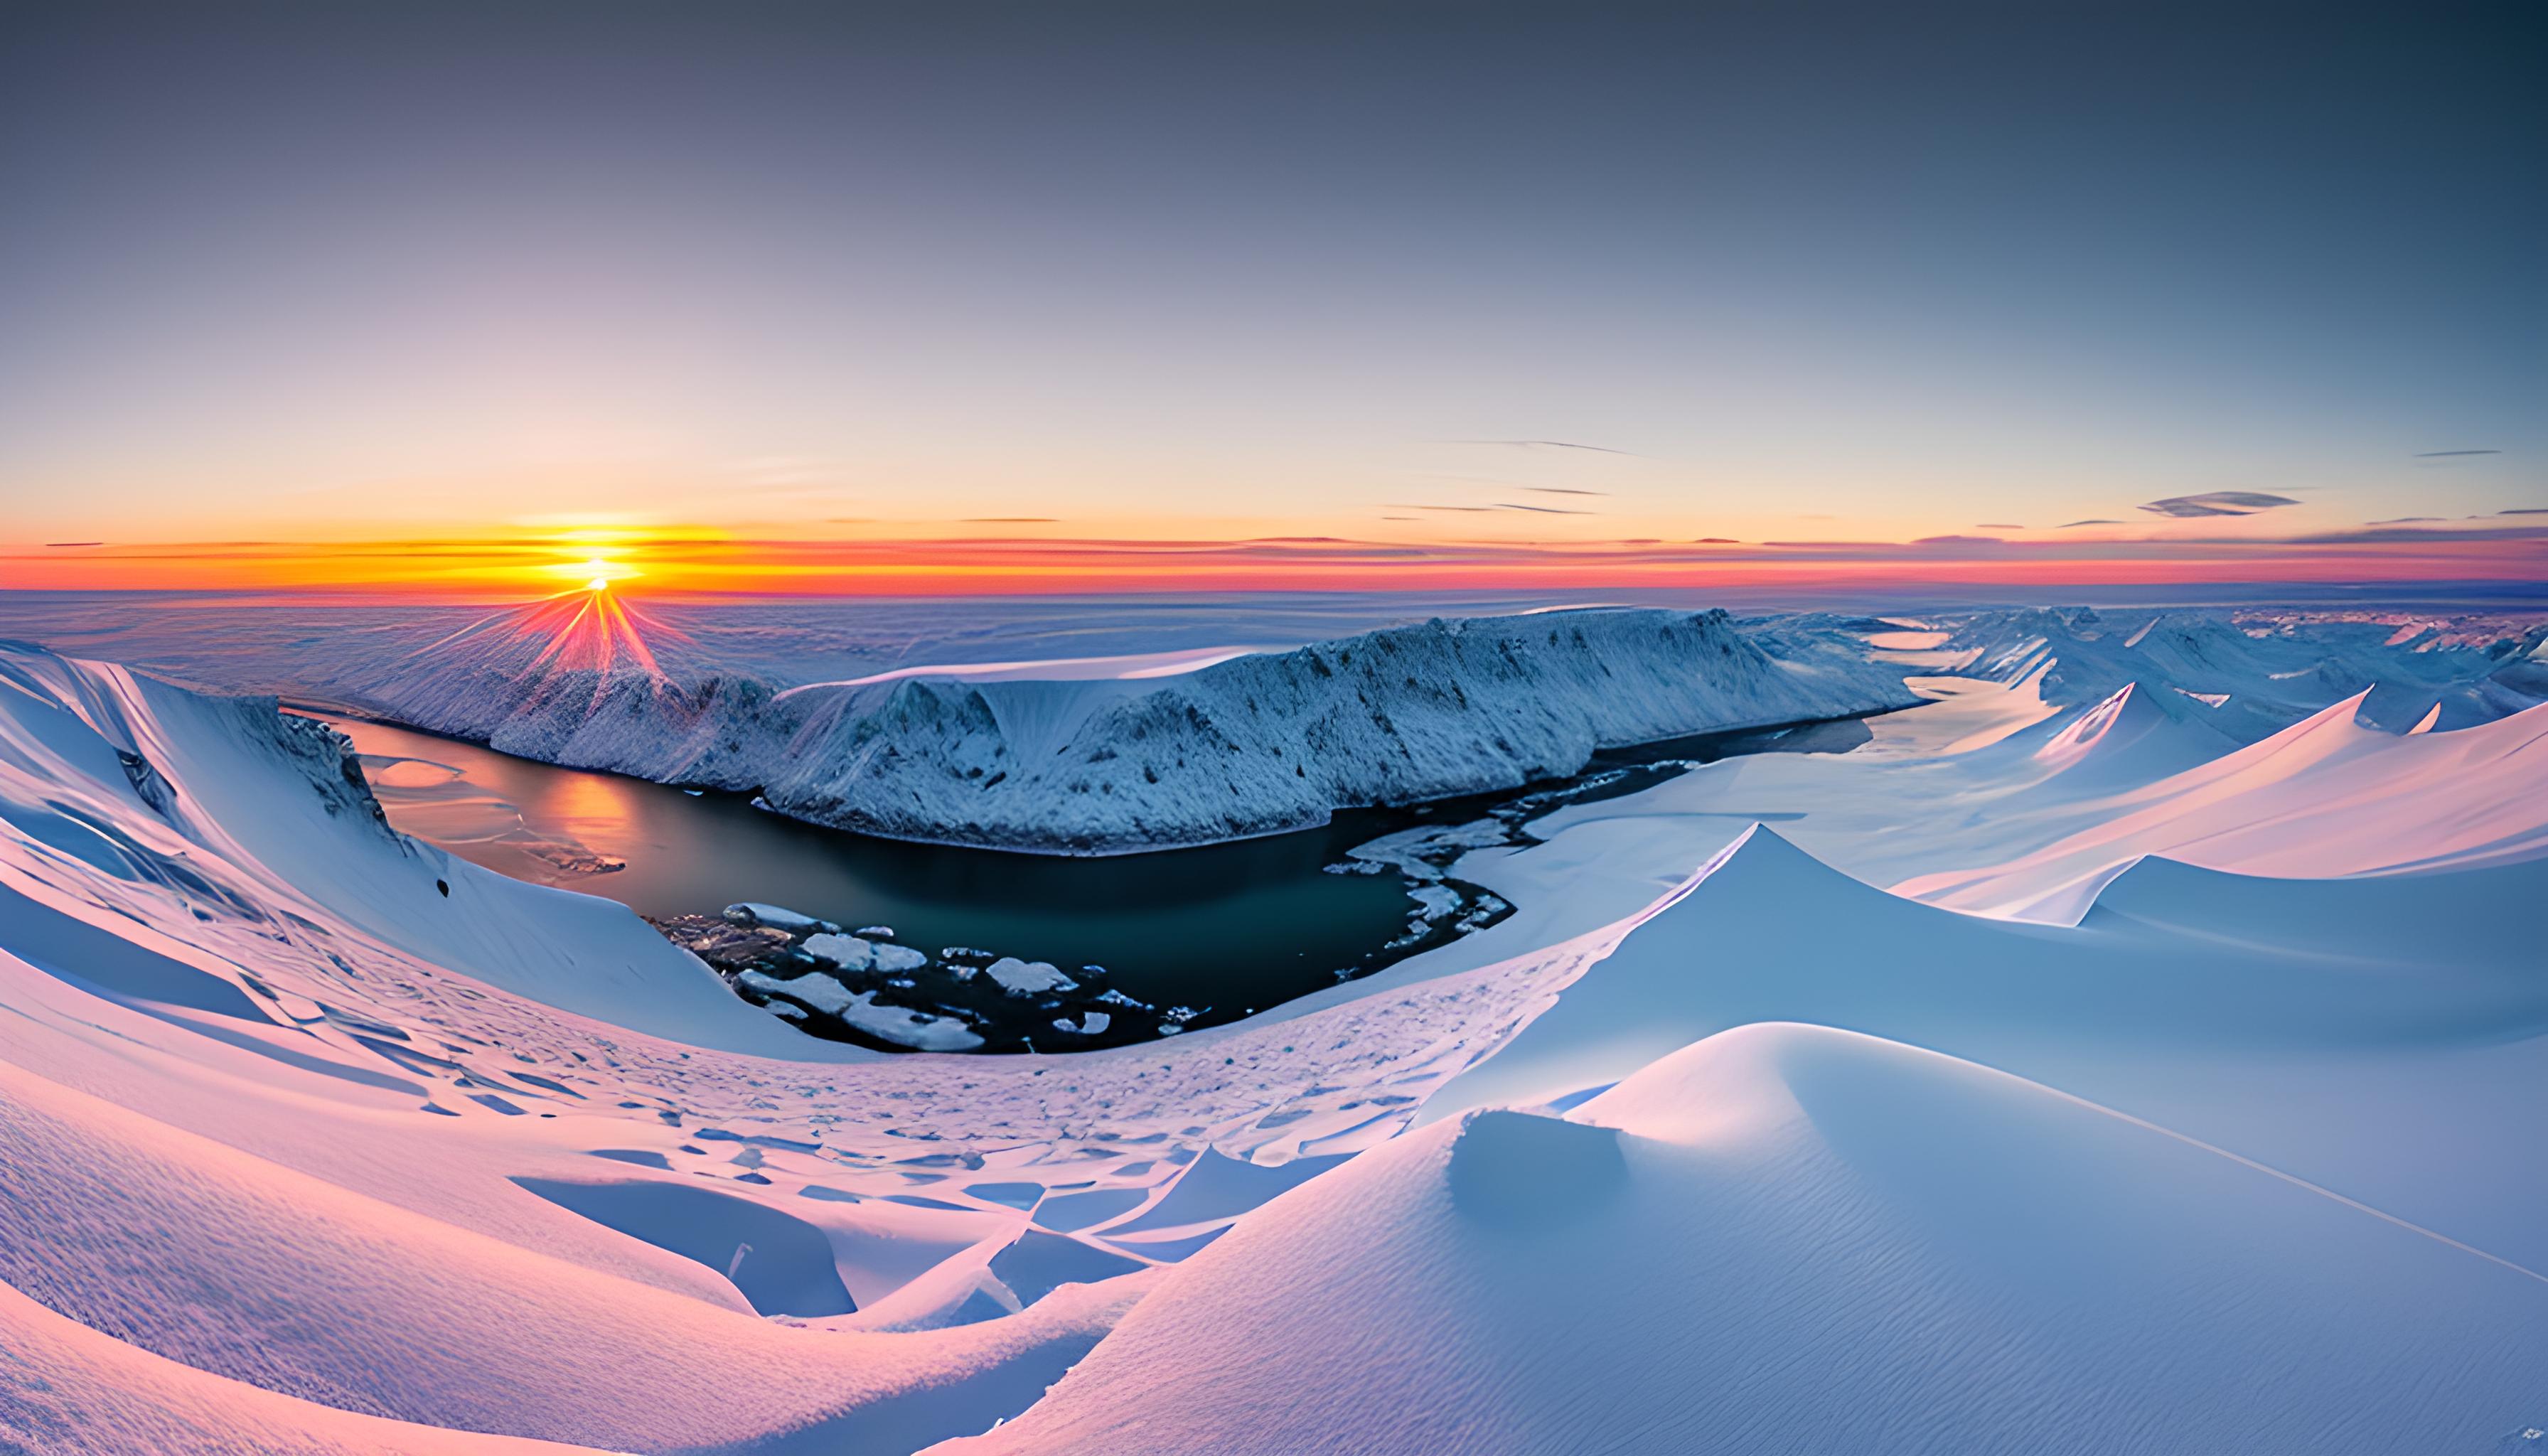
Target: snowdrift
{"x":2172,"y":956}
{"x":2325,"y":797}
{"x":1794,"y":1238}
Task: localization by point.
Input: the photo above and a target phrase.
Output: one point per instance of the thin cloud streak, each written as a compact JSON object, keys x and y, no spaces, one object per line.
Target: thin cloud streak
{"x":2218,"y":503}
{"x":1545,"y":445}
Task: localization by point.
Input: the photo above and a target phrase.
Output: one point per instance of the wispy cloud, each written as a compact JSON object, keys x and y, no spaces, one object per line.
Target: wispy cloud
{"x":1545,"y":445}
{"x":1997,"y":526}
{"x":1487,"y":509}
{"x":2444,"y":454}
{"x":2218,"y":503}
{"x":1563,"y":490}
{"x":2067,"y":524}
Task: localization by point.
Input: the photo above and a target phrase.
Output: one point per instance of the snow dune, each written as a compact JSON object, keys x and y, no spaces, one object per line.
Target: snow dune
{"x":1790,"y":1237}
{"x":2325,"y":797}
{"x":2031,"y":824}
{"x":74,"y":1391}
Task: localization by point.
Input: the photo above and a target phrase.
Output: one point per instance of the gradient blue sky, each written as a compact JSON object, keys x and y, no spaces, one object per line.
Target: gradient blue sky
{"x":1862,"y":272}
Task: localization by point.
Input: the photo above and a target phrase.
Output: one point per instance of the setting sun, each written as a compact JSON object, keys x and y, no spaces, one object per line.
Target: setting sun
{"x":595,"y":573}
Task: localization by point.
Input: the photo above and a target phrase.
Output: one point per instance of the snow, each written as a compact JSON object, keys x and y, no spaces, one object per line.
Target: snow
{"x":846,"y":952}
{"x":1057,"y":759}
{"x":778,"y":917}
{"x":913,"y":1028}
{"x":2265,"y":670}
{"x":2059,"y":1069}
{"x":1028,"y":978}
{"x":856,"y":953}
{"x":1791,"y":1238}
{"x":2325,"y":797}
{"x":897,"y":958}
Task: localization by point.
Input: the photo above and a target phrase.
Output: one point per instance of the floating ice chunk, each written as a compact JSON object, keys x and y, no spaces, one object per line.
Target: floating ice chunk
{"x":917,"y":1029}
{"x":815,"y":989}
{"x":848,"y":953}
{"x":1118,"y":998}
{"x":1089,"y":1024}
{"x":876,"y":932}
{"x":778,"y":917}
{"x":897,"y":957}
{"x":1027,"y":977}
{"x":1434,"y":901}
{"x":1422,"y":852}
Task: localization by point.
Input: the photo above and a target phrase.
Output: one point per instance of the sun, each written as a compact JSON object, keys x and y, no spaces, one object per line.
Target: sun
{"x":590,"y":562}
{"x":599,"y":573}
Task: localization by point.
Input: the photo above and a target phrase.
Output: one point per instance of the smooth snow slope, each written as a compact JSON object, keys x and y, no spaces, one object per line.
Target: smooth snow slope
{"x":2323,"y":797}
{"x":1792,"y":1238}
{"x":293,"y":1147}
{"x":1074,"y":764}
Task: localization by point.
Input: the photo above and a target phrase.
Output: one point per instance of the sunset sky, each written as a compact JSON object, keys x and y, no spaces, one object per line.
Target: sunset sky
{"x":977,"y":297}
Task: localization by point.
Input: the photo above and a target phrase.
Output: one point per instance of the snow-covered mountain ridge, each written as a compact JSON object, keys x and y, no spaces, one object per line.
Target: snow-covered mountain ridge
{"x":1254,"y":743}
{"x":2260,"y":672}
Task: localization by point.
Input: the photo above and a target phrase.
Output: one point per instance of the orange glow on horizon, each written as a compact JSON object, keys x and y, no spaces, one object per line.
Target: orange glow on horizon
{"x":597,"y":563}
